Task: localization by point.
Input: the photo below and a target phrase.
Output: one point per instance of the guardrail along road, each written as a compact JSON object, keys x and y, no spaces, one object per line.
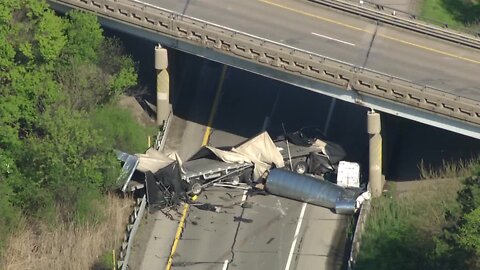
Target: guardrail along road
{"x":439,"y":85}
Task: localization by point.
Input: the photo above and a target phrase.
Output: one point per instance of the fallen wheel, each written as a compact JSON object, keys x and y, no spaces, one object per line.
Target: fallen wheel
{"x":300,"y":167}
{"x":196,"y":188}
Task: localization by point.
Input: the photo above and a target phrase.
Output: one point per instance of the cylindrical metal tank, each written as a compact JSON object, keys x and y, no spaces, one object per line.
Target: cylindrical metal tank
{"x":311,"y":190}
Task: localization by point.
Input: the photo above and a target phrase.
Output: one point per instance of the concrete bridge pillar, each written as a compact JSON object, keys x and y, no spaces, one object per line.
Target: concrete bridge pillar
{"x":375,"y":153}
{"x":163,"y":84}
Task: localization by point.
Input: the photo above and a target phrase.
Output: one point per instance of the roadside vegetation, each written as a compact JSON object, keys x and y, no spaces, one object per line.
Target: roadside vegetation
{"x":60,"y":79}
{"x":435,"y":225}
{"x":458,"y":13}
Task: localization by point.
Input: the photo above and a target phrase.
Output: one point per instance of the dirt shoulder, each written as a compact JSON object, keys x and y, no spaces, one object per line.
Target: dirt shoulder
{"x":139,"y":113}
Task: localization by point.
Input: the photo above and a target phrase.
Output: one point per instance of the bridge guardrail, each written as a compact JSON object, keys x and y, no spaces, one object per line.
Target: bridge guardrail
{"x":404,"y":20}
{"x":283,"y":57}
{"x":134,"y":222}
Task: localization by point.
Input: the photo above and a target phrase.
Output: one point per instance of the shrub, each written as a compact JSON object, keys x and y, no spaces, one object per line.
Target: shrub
{"x":130,"y":136}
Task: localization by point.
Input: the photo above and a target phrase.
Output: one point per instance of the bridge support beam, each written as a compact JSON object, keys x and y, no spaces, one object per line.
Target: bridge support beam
{"x":163,"y":84}
{"x":375,"y":153}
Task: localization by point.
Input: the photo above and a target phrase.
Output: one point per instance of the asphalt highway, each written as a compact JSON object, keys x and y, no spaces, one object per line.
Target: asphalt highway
{"x":364,"y":43}
{"x":268,"y":232}
{"x":254,"y":231}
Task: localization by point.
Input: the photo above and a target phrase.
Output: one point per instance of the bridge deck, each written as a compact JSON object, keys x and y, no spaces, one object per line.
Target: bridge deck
{"x":361,"y":42}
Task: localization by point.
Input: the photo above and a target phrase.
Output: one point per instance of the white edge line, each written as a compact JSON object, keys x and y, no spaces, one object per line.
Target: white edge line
{"x":244,"y":197}
{"x":334,"y":39}
{"x":225,"y":265}
{"x":295,"y":237}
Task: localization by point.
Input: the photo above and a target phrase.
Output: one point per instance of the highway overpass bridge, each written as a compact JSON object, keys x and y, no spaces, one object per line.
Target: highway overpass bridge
{"x":380,"y":66}
{"x":285,"y":40}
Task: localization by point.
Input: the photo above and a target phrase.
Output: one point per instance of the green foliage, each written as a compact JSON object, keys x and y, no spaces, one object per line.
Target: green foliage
{"x":26,"y":97}
{"x":69,"y":149}
{"x":469,"y":232}
{"x":130,"y":136}
{"x":10,"y":215}
{"x":55,"y":158}
{"x":458,"y":13}
{"x":94,"y":70}
{"x":459,"y":243}
{"x":469,"y":196}
{"x":435,"y":10}
{"x":125,"y":78}
{"x":84,"y":84}
{"x":401,"y":232}
{"x":69,"y":159}
{"x":105,"y":262}
{"x":391,"y":236}
{"x":84,"y":36}
{"x":50,"y":36}
{"x":58,"y":80}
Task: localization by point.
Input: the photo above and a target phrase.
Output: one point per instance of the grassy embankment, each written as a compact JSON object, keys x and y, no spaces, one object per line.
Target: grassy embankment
{"x":457,"y":13}
{"x":67,"y":245}
{"x":404,"y":227}
{"x":423,"y":228}
{"x":54,"y":244}
{"x":61,"y":79}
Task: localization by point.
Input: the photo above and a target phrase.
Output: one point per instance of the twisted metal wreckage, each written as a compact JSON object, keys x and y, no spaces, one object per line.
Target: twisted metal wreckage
{"x":257,"y":162}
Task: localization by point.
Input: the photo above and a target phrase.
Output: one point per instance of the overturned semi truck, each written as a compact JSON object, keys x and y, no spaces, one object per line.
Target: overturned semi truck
{"x":168,"y":180}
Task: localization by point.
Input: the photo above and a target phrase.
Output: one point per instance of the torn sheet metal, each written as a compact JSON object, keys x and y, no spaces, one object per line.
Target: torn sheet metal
{"x":158,"y":195}
{"x":170,"y":176}
{"x":312,"y":141}
{"x":312,"y":190}
{"x":259,"y":151}
{"x":129,"y":167}
{"x":164,"y":188}
{"x":122,"y":156}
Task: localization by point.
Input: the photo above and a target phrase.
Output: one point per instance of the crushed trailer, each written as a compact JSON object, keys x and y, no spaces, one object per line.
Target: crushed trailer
{"x":168,"y":181}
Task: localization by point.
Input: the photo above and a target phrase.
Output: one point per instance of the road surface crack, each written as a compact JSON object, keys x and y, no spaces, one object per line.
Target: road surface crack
{"x":239,"y":220}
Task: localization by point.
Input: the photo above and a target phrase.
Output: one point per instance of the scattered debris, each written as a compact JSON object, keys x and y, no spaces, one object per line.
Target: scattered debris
{"x":309,"y":152}
{"x":255,"y":191}
{"x":208,"y":207}
{"x":256,"y":166}
{"x":242,"y":219}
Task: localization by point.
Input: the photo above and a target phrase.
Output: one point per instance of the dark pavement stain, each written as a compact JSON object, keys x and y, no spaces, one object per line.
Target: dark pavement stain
{"x":241,"y":219}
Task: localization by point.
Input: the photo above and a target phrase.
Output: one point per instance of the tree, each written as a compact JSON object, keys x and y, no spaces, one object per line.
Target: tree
{"x":69,"y":159}
{"x":94,"y":69}
{"x":469,"y":232}
{"x":53,"y":71}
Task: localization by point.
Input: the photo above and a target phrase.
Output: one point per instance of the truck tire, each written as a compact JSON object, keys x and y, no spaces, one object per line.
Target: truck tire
{"x":196,"y":188}
{"x":300,"y":167}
